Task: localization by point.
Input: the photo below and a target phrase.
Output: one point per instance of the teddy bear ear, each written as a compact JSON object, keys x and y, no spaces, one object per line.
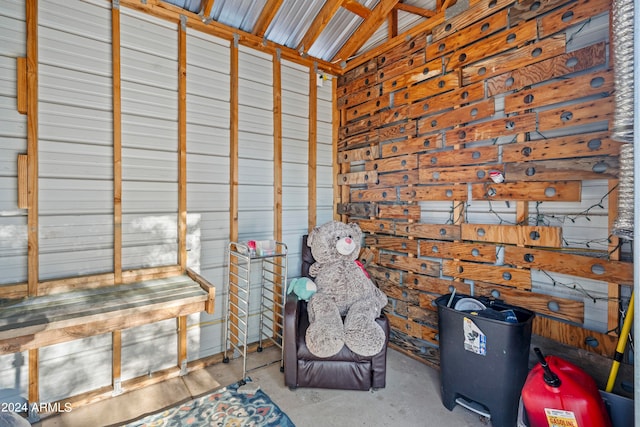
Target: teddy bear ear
{"x":310,"y":236}
{"x":355,"y":226}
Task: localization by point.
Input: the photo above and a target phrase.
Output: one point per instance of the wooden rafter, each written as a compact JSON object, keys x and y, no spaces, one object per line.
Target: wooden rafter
{"x":205,"y":7}
{"x":319,"y":24}
{"x":365,"y":30}
{"x":356,"y":7}
{"x":266,"y":16}
{"x":415,"y":10}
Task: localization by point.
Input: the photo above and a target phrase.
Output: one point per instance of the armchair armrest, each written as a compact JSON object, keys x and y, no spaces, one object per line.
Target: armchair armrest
{"x":291,"y":314}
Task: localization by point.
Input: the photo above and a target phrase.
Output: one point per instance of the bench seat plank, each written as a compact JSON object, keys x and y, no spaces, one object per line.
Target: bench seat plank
{"x":49,"y":319}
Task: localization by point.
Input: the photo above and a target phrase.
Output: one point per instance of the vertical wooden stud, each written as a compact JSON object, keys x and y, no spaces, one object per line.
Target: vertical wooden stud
{"x":182,"y":143}
{"x":182,"y":344}
{"x":23,"y":178}
{"x":21,"y":84}
{"x":34,"y":387}
{"x":340,"y":192}
{"x":312,"y":161}
{"x":116,"y":362}
{"x":117,"y":143}
{"x":32,"y":146}
{"x":277,"y":146}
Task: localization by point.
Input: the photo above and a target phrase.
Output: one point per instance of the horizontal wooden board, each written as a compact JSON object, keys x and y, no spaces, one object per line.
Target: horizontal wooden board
{"x":357,"y":209}
{"x":382,"y":274}
{"x":435,"y":285}
{"x":475,"y":13}
{"x":377,"y":226}
{"x":412,"y":145}
{"x":402,"y":130}
{"x":507,"y":126}
{"x":357,"y":154}
{"x":400,"y":65}
{"x":583,"y":113}
{"x":563,"y":147}
{"x":458,"y":116}
{"x":394,"y":115}
{"x":359,"y":126}
{"x":374,"y":195}
{"x":350,"y":99}
{"x":368,"y":138}
{"x":575,"y":336}
{"x":413,"y":264}
{"x":405,"y":212}
{"x":396,"y":244}
{"x":447,"y":100}
{"x":434,"y":86}
{"x":514,"y":60}
{"x":388,"y":60}
{"x":565,"y":309}
{"x":430,"y":231}
{"x":355,"y":178}
{"x":392,"y":164}
{"x":571,"y":264}
{"x":502,"y":41}
{"x":415,"y":75}
{"x":481,"y":29}
{"x":393,"y":179}
{"x":529,"y":9}
{"x":558,"y":66}
{"x":560,"y":91}
{"x":513,"y":234}
{"x":457,"y":174}
{"x":367,"y":108}
{"x":460,"y":157}
{"x":566,"y":191}
{"x":569,"y":169}
{"x":571,"y":15}
{"x":366,"y":69}
{"x":434,"y":192}
{"x":507,"y":276}
{"x":478,"y":252}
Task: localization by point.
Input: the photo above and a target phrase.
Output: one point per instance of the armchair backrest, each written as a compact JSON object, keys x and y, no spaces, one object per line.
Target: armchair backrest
{"x":307,"y":258}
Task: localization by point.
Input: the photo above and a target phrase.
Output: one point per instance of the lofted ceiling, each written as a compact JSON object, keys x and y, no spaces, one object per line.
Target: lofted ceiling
{"x":335,"y":33}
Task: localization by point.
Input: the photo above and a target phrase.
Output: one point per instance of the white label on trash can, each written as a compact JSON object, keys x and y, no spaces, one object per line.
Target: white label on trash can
{"x":474,"y":340}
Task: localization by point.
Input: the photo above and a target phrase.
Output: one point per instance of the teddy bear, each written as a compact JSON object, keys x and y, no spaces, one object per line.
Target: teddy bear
{"x":344,"y":290}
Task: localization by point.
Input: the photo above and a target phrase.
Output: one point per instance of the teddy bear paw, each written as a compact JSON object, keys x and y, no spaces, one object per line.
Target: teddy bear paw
{"x":365,"y":342}
{"x":323,"y":341}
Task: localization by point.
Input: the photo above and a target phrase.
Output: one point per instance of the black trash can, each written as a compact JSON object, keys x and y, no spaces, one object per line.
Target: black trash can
{"x":484,"y":355}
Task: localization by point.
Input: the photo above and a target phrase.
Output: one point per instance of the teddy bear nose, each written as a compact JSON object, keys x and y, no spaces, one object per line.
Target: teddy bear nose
{"x":348,"y":240}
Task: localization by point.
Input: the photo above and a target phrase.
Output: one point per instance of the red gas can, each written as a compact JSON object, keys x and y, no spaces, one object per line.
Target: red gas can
{"x":557,"y":393}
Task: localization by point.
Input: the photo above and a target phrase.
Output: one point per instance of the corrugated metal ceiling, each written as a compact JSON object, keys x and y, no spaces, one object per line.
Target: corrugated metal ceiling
{"x":295,"y":19}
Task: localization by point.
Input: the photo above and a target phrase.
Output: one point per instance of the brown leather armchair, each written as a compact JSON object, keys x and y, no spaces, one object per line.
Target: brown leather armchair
{"x":345,"y":370}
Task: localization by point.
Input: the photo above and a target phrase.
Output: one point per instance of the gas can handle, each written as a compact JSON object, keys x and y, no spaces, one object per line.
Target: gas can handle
{"x":550,"y":378}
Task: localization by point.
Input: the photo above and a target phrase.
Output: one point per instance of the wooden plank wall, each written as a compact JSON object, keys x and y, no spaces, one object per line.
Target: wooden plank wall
{"x":494,"y":90}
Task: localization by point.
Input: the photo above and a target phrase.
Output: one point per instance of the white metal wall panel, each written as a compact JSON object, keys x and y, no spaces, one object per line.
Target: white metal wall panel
{"x":149,"y":348}
{"x":149,"y":64}
{"x":13,"y":141}
{"x":255,"y":163}
{"x":75,"y":122}
{"x":75,"y":367}
{"x":324,"y":172}
{"x":208,"y":168}
{"x":295,"y":155}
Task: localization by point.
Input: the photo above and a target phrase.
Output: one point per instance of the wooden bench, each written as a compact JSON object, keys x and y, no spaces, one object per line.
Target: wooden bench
{"x":34,"y":322}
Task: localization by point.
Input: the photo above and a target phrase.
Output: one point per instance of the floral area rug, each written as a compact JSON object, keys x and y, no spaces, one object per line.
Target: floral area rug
{"x":223,"y":407}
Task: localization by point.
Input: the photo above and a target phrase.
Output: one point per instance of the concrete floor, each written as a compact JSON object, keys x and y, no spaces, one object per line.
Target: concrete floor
{"x":411,"y":398}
